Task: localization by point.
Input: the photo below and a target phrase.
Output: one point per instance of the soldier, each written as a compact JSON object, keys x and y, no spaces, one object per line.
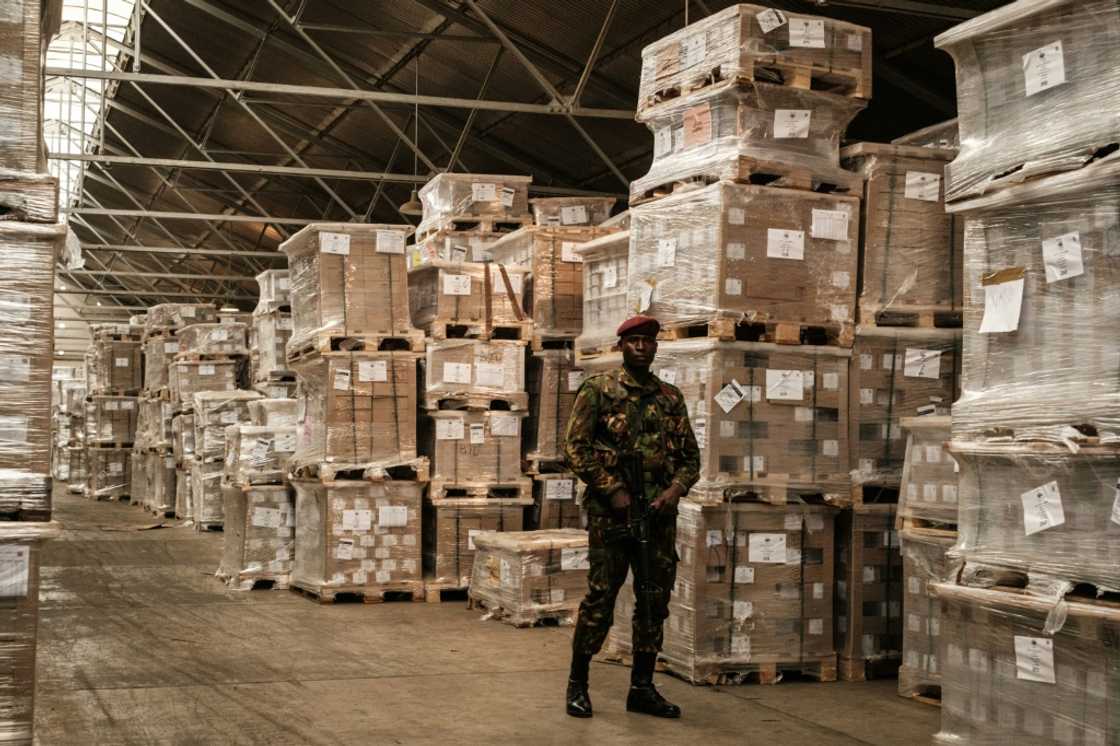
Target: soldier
{"x":629,"y":411}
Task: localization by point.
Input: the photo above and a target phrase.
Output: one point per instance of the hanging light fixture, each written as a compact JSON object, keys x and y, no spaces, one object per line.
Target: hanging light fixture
{"x":413,"y":207}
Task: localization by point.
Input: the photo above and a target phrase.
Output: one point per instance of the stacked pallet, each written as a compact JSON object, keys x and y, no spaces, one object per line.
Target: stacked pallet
{"x":65,"y":392}
{"x":357,"y":477}
{"x":755,"y":289}
{"x":1034,"y":429}
{"x":111,"y":409}
{"x":74,"y":411}
{"x":269,"y":332}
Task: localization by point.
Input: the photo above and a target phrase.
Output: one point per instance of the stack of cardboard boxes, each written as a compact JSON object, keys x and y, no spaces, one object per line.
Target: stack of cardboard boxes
{"x":270,"y":330}
{"x":111,"y":409}
{"x":1029,"y":650}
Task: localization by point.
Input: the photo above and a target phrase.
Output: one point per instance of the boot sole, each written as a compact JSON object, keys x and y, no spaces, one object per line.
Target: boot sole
{"x":654,"y":714}
{"x":580,"y":714}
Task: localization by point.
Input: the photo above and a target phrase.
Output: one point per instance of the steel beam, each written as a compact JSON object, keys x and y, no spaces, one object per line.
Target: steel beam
{"x":176,"y":250}
{"x":244,"y":168}
{"x":155,"y":293}
{"x":161,"y":215}
{"x":908,"y":7}
{"x":176,"y":275}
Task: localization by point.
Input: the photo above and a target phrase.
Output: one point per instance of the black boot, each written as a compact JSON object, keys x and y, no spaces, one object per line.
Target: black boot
{"x":644,"y":697}
{"x":578,"y":700}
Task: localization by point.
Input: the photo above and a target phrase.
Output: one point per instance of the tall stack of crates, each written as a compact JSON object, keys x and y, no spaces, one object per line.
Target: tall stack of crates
{"x":269,"y":333}
{"x":64,"y":392}
{"x":75,"y":413}
{"x":743,"y":243}
{"x":110,"y":412}
{"x":1029,"y":648}
{"x":357,"y":477}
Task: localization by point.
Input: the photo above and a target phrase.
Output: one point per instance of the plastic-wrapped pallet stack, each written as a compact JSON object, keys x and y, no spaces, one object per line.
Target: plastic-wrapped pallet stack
{"x":110,"y":410}
{"x":755,"y":287}
{"x":74,"y":411}
{"x":63,"y":393}
{"x":269,"y":333}
{"x":357,"y":477}
{"x":1029,"y":649}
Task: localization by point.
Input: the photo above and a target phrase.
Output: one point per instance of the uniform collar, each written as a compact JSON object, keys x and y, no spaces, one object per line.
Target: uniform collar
{"x":630,"y":382}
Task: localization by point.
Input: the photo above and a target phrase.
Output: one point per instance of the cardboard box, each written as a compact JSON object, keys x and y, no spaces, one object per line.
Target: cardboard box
{"x":451,"y":245}
{"x":271,"y":331}
{"x":275,"y":290}
{"x":224,"y":339}
{"x":929,"y":475}
{"x":159,"y":352}
{"x":109,"y":473}
{"x":21,"y":90}
{"x":153,"y":423}
{"x":258,"y":455}
{"x":448,"y":294}
{"x":207,"y":507}
{"x":472,"y":368}
{"x":553,"y":381}
{"x":473,"y":447}
{"x":184,"y":494}
{"x":557,"y":501}
{"x":258,"y":535}
{"x":119,"y":364}
{"x":190,"y":377}
{"x":869,"y":591}
{"x":169,"y":317}
{"x":450,"y":195}
{"x":605,"y":286}
{"x":568,"y":211}
{"x":924,"y":561}
{"x":160,"y":466}
{"x":113,"y":419}
{"x":214,"y":411}
{"x":182,"y":436}
{"x":449,"y":531}
{"x":274,"y":412}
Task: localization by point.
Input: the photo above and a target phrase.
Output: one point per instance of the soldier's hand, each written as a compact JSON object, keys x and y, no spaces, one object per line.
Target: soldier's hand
{"x":668,"y":499}
{"x":620,"y":500}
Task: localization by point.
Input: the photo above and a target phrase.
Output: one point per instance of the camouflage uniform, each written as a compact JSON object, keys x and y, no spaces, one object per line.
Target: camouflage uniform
{"x":614,"y":414}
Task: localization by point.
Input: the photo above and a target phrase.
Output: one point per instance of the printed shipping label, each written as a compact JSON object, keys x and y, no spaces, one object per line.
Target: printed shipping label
{"x":505,"y":425}
{"x":610,"y":277}
{"x":744,"y":574}
{"x":15,"y":570}
{"x":116,"y":467}
{"x":922,"y":363}
{"x":1034,"y":659}
{"x":356,"y":520}
{"x":457,"y":373}
{"x":342,"y":380}
{"x":559,"y":489}
{"x":663,"y":142}
{"x":568,"y":252}
{"x":575,"y":379}
{"x":266,"y":517}
{"x":804,"y":32}
{"x":923,"y":186}
{"x":219,"y":335}
{"x":1003,"y":302}
{"x":841,"y":280}
{"x":1042,"y":508}
{"x":334,"y":243}
{"x":206,"y":370}
{"x":449,"y":429}
{"x":375,"y":371}
{"x":787,"y":385}
{"x":730,"y":395}
{"x":693,"y":50}
{"x":666,"y":252}
{"x":783,"y":244}
{"x":770,"y":19}
{"x":792,"y":124}
{"x":456,"y":284}
{"x":482,"y":192}
{"x":121,"y":362}
{"x":507,"y":194}
{"x":766,"y":548}
{"x":392,"y":516}
{"x":1044,"y":68}
{"x":742,"y":610}
{"x":1062,"y":257}
{"x":477,"y":434}
{"x":573,"y":215}
{"x":390,"y":242}
{"x":170,"y":348}
{"x":830,"y":224}
{"x":491,"y":375}
{"x":574,"y":559}
{"x":344,"y":550}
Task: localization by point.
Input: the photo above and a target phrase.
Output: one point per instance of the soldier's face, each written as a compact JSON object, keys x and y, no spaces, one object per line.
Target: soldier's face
{"x":638,"y":350}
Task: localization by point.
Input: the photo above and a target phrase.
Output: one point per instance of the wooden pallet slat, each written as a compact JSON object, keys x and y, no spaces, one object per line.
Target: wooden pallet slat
{"x":837,"y":334}
{"x":404,"y":590}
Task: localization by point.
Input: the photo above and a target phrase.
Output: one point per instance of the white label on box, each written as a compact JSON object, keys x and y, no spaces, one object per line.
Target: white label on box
{"x":933,"y":454}
{"x":573,"y":215}
{"x":13,"y":428}
{"x":283,"y":283}
{"x":111,"y":405}
{"x":207,"y":370}
{"x":1062,"y":257}
{"x":491,"y":375}
{"x":783,"y":244}
{"x":867,"y":396}
{"x":645,"y":296}
{"x":770,"y":19}
{"x":568,"y":252}
{"x":392,"y":516}
{"x":741,"y":646}
{"x":830,"y":448}
{"x":116,"y":467}
{"x":266,"y":517}
{"x":375,"y":371}
{"x":831,"y":225}
{"x":730,"y":395}
{"x":792,"y":522}
{"x":505,"y":425}
{"x":342,"y":380}
{"x":831,"y":381}
{"x":867,"y":466}
{"x":574,"y":559}
{"x":507,"y":194}
{"x":713,"y":538}
{"x":188,"y":312}
{"x":484,"y":192}
{"x":922,"y":363}
{"x":128,"y":404}
{"x":663,"y":142}
{"x":170,"y":348}
{"x":219,"y":335}
{"x":559,"y":489}
{"x":842,"y":280}
{"x":229,"y":417}
{"x":575,"y":378}
{"x":768,"y":548}
{"x":14,"y":306}
{"x":1034,"y":659}
{"x":855,"y":42}
{"x":1042,"y":508}
{"x":744,"y":574}
{"x":1044,"y":68}
{"x":449,"y":429}
{"x":15,"y":570}
{"x":923,"y":186}
{"x":735,"y":250}
{"x":610,"y":277}
{"x":344,"y":549}
{"x":471,"y":533}
{"x":390,"y":242}
{"x":334,"y":243}
{"x":457,"y":373}
{"x":736,"y":216}
{"x":668,"y":375}
{"x":120,"y":362}
{"x":477,"y":434}
{"x":284,"y":323}
{"x":792,"y":124}
{"x":742,"y":610}
{"x":1003,"y":303}
{"x":693,"y":50}
{"x":733,"y":286}
{"x":666,"y":252}
{"x":805,"y":32}
{"x":785,"y":385}
{"x":456,"y":284}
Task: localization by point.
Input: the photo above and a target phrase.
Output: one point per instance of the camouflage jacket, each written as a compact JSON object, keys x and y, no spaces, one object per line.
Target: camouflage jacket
{"x":615,"y":414}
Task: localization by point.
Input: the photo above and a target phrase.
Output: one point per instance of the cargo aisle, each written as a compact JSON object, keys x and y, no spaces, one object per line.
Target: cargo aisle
{"x":139,"y":643}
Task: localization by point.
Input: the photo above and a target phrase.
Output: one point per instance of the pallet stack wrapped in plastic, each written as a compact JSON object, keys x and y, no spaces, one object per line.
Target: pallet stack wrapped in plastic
{"x":270,"y":330}
{"x":64,"y":392}
{"x":115,"y":380}
{"x":358,"y":480}
{"x":743,"y":243}
{"x":1028,"y":630}
{"x":75,"y":413}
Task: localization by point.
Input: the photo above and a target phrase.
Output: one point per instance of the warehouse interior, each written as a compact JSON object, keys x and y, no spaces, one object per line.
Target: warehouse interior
{"x":301,"y":296}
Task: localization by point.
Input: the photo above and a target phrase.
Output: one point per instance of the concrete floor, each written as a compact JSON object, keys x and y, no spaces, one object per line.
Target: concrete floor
{"x":138,"y":644}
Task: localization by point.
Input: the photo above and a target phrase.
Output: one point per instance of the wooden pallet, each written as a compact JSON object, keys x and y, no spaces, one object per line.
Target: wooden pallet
{"x":541,"y":341}
{"x":587,"y":354}
{"x":931,"y":529}
{"x":513,"y":402}
{"x":165,"y":513}
{"x":874,"y":493}
{"x":538,"y":465}
{"x":201,"y":526}
{"x":473,"y":224}
{"x":927,"y":694}
{"x":828,"y":489}
{"x":29,"y":197}
{"x":254,"y":581}
{"x":543,"y":618}
{"x":25,"y":515}
{"x":434,"y":592}
{"x":405,"y":590}
{"x":274,"y":377}
{"x":730,"y":673}
{"x":442,"y":329}
{"x":913,"y":317}
{"x":834,"y":334}
{"x":413,"y":470}
{"x":411,"y":340}
{"x":863,"y":669}
{"x":206,"y":357}
{"x":516,"y":492}
{"x":75,"y":489}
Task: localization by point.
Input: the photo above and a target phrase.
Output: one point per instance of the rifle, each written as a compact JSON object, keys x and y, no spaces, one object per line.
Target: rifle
{"x":638,"y":530}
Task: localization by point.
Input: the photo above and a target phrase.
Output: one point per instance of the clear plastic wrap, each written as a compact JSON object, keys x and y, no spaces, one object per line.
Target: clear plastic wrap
{"x":275,"y":290}
{"x":108,"y":473}
{"x":25,"y":494}
{"x":525,"y":577}
{"x":278,"y":389}
{"x":912,"y":250}
{"x":445,"y":294}
{"x":139,"y":487}
{"x":924,"y":561}
{"x":190,"y":377}
{"x":553,"y":380}
{"x":159,"y":352}
{"x":214,"y":411}
{"x":472,"y":447}
{"x":258,"y":455}
{"x":557,"y":501}
{"x":1005,"y":680}
{"x":213,"y":340}
{"x":928,"y":493}
{"x":449,"y":531}
{"x":112,"y":419}
{"x":271,"y":332}
{"x":869,"y":590}
{"x":184,"y":494}
{"x":274,"y":412}
{"x":182,"y":437}
{"x":753,"y":42}
{"x":1057,"y":370}
{"x":171,"y":316}
{"x":897,"y":372}
{"x":1032,"y":81}
{"x":571,"y":210}
{"x":29,"y":197}
{"x":472,"y":368}
{"x":754,"y":593}
{"x":605,"y":283}
{"x":357,"y":536}
{"x":153,"y":423}
{"x":357,"y":408}
{"x":747,"y":132}
{"x":942,"y":135}
{"x":161,"y":483}
{"x":746,"y":253}
{"x":258,"y":536}
{"x":77,"y":470}
{"x":207,"y":509}
{"x":450,"y":245}
{"x":119,"y":362}
{"x":1040,"y":510}
{"x":449,"y":196}
{"x":347,"y":280}
{"x":21,"y":89}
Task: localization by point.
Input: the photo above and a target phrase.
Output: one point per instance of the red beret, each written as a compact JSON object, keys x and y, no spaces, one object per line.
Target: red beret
{"x":646,"y":325}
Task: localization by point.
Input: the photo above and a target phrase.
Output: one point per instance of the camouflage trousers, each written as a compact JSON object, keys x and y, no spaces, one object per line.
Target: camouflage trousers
{"x":609,"y":563}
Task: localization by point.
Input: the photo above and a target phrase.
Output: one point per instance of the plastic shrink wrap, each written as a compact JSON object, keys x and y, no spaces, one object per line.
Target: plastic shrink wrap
{"x":475,"y":369}
{"x":184,"y":493}
{"x":942,"y":135}
{"x":258,"y":455}
{"x":271,"y":331}
{"x":753,"y":594}
{"x":284,"y":388}
{"x":928,"y":493}
{"x":524,"y":577}
{"x":275,"y":289}
{"x":912,"y":249}
{"x":449,"y":196}
{"x":565,"y":211}
{"x":557,"y":501}
{"x":554,"y":291}
{"x":161,"y":483}
{"x":897,"y":372}
{"x":207,"y":509}
{"x":159,"y":353}
{"x":153,"y":423}
{"x":214,"y":411}
{"x":745,"y":132}
{"x":182,"y":437}
{"x":357,"y":408}
{"x":191,"y":377}
{"x":553,"y":380}
{"x":450,"y":245}
{"x":449,"y":531}
{"x":138,"y":486}
{"x":1007,"y":679}
{"x":347,"y":280}
{"x":754,"y":42}
{"x":1031,"y":80}
{"x":258,"y":535}
{"x":1040,"y":511}
{"x":108,"y":473}
{"x":117,"y":357}
{"x":473,"y":448}
{"x":478,"y":296}
{"x":213,"y":340}
{"x":29,"y":197}
{"x":112,"y":419}
{"x":21,"y":91}
{"x":355,"y":536}
{"x":1048,"y":252}
{"x":605,"y":284}
{"x":869,"y":591}
{"x":170,"y":317}
{"x":745,"y":253}
{"x":274,"y":412}
{"x":924,"y":561}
